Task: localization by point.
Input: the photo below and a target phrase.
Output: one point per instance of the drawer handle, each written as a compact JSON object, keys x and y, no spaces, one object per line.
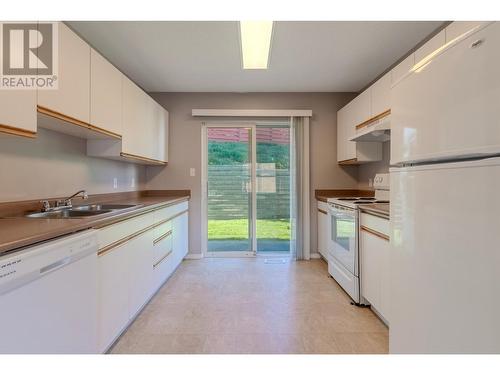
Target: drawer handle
{"x":162,"y":237}
{"x":162,"y":259}
{"x":375,"y":233}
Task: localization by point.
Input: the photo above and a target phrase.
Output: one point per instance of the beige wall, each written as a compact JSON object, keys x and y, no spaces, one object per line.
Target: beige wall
{"x":185,"y":143}
{"x":367,"y":171}
{"x":55,"y":165}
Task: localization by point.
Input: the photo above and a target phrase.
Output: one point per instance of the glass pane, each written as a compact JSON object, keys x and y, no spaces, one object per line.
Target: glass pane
{"x":344,"y":232}
{"x":229,"y":195}
{"x":273,"y":189}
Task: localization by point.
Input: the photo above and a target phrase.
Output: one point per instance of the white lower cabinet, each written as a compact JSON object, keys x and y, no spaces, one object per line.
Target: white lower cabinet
{"x":323,"y":229}
{"x":136,"y":256}
{"x":180,"y":236}
{"x":140,"y":276}
{"x":113,"y":294}
{"x":375,"y":248}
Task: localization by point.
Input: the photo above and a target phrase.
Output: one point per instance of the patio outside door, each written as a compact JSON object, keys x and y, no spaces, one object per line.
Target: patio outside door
{"x":230,"y":194}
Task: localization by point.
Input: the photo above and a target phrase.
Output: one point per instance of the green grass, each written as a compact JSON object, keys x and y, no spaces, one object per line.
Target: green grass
{"x":237,"y":229}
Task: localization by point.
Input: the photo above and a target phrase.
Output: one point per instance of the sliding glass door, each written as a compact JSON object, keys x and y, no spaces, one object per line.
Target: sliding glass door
{"x":230,"y":200}
{"x":273,"y":188}
{"x":246,"y":183}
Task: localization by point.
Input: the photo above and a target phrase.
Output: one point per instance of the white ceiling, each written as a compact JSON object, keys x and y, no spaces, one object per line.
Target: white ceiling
{"x":202,"y":56}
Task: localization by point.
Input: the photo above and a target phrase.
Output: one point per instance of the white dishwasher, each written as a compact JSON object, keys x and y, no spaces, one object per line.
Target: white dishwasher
{"x":48,"y":297}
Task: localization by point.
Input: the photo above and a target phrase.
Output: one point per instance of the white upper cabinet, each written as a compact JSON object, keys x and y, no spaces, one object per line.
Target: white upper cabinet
{"x":380,"y":93}
{"x":458,"y":28}
{"x":105,"y":94}
{"x":161,"y":121}
{"x":361,"y":107}
{"x":349,"y":152}
{"x":72,"y":98}
{"x":135,"y":118}
{"x":18,"y":112}
{"x":433,"y":44}
{"x":346,"y":150}
{"x":403,"y":68}
{"x":145,"y":125}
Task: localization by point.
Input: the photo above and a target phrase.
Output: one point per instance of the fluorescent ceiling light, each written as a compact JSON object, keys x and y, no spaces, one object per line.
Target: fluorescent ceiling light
{"x":255,"y":43}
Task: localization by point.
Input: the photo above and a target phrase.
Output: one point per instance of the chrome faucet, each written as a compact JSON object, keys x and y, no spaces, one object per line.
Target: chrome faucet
{"x":62,"y":203}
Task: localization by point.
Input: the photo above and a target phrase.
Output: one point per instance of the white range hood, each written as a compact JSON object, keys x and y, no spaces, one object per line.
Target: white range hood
{"x":377,"y":131}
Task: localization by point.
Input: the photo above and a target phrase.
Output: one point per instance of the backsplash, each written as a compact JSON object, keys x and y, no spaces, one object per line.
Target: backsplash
{"x":56,"y":164}
{"x":369,"y":170}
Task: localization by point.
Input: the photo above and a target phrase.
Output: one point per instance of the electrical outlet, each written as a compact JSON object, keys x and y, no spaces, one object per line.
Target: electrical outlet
{"x":115,"y":183}
{"x":192,"y":172}
{"x":132,"y":182}
{"x":370,"y":182}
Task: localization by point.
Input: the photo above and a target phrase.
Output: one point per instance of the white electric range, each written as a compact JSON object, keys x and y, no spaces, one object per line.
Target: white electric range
{"x":343,"y":262}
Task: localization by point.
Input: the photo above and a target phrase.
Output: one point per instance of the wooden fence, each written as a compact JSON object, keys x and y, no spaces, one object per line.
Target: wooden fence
{"x":228,"y":197}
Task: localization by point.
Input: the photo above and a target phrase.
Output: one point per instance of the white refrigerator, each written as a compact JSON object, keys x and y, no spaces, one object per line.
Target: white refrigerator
{"x":445,"y":201}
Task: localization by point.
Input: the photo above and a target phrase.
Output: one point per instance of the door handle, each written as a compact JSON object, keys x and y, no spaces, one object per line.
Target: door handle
{"x":476,"y":43}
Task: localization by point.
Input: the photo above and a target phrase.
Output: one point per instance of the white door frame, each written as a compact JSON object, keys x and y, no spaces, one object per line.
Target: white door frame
{"x":204,"y":188}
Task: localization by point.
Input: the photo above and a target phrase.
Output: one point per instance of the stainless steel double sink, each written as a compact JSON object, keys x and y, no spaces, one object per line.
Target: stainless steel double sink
{"x":79,"y":211}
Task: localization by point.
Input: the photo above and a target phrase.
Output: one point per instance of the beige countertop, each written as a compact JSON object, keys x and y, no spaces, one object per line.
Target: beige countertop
{"x":16,"y":232}
{"x":379,"y":209}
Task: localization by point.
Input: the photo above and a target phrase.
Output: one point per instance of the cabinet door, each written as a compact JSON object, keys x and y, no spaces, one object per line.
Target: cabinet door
{"x":72,"y":98}
{"x":398,"y":72}
{"x":385,"y":280}
{"x":136,"y":127}
{"x":140,"y":272}
{"x":346,"y":149}
{"x":360,"y":109}
{"x":161,"y":133}
{"x":180,"y":236}
{"x":323,"y":232}
{"x":113,"y":294}
{"x":105,"y":94}
{"x":370,"y":249}
{"x":430,"y":46}
{"x":381,"y":95}
{"x":450,"y":107}
{"x":18,"y":112}
{"x":458,"y":28}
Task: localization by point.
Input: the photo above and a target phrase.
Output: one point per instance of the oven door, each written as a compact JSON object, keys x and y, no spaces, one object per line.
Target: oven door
{"x":343,"y":237}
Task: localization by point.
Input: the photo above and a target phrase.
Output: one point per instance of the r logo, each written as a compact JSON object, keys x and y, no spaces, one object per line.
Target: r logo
{"x":27,"y":49}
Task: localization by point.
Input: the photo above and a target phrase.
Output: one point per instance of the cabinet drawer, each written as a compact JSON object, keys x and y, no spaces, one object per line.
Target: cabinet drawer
{"x":123,"y":229}
{"x":162,"y":244}
{"x":375,"y":223}
{"x":169,"y":212}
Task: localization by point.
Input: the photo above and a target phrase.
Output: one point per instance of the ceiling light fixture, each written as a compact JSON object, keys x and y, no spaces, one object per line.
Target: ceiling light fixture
{"x":255,"y":43}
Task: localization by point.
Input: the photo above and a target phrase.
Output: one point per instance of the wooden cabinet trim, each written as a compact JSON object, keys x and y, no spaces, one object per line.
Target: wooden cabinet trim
{"x":322,"y":211}
{"x":375,"y":233}
{"x":74,"y":121}
{"x":142,"y":158}
{"x":373,"y":119}
{"x":353,"y":161}
{"x":16,"y":131}
{"x":121,"y":241}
